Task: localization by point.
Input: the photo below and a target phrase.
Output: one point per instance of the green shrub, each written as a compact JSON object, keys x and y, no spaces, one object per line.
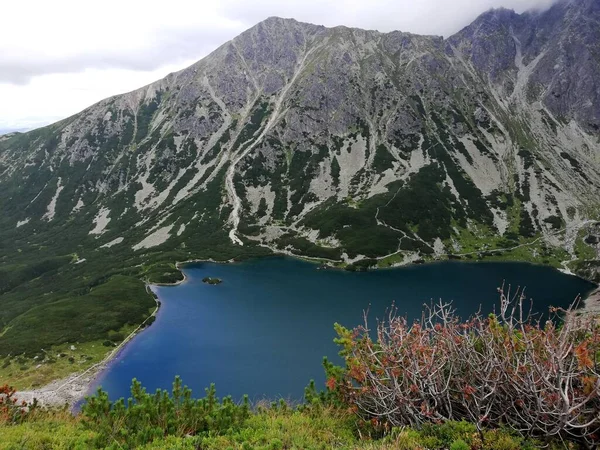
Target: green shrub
{"x":115,"y":336}
{"x":459,"y":444}
{"x":147,"y":417}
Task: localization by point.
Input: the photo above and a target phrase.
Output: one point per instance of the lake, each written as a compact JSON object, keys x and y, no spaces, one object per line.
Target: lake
{"x":265,"y":330}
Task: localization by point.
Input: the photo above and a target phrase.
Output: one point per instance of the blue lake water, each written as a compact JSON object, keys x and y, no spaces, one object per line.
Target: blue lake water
{"x":265,"y":330}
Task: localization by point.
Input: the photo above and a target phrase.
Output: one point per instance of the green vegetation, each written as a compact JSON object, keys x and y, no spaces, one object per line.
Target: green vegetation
{"x":412,"y":416}
{"x":383,"y":159}
{"x":12,"y":276}
{"x":583,"y":246}
{"x":268,"y":428}
{"x":59,"y":287}
{"x":84,"y":318}
{"x":25,"y":372}
{"x":303,"y":247}
{"x":144,"y":117}
{"x":442,"y":369}
{"x":62,"y":286}
{"x":211,"y":280}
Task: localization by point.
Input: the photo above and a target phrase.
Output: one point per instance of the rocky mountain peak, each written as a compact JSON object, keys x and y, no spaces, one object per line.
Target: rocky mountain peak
{"x":342,"y":143}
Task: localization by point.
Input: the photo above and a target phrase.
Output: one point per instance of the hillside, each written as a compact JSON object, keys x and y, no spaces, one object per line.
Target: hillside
{"x":354,"y":146}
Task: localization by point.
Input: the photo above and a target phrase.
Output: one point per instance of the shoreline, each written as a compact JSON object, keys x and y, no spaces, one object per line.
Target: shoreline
{"x":178,"y":266}
{"x":75,"y":387}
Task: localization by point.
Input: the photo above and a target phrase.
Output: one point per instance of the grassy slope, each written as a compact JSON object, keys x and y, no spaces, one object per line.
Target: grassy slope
{"x":271,"y":429}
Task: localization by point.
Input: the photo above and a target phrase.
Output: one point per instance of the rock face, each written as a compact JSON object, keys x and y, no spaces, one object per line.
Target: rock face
{"x":333,"y":142}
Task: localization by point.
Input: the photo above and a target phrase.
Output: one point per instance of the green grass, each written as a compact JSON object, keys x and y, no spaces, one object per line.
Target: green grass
{"x":534,"y":254}
{"x":483,"y":243}
{"x":57,"y":432}
{"x":270,"y":429}
{"x":58,"y":362}
{"x":47,"y":302}
{"x":390,"y":260}
{"x":300,"y":430}
{"x":26,"y":372}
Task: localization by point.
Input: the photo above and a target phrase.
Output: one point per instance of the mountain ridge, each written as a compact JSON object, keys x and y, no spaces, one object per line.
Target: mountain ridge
{"x":341,"y":144}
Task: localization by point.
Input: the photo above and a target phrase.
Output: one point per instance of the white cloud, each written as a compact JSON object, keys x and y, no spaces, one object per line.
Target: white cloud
{"x":57,"y":57}
{"x":439,"y":17}
{"x":51,"y":97}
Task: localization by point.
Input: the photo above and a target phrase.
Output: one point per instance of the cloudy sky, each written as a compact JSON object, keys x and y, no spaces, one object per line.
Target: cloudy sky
{"x":59,"y":56}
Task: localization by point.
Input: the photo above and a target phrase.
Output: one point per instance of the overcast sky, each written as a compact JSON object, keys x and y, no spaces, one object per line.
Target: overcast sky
{"x":60,"y":56}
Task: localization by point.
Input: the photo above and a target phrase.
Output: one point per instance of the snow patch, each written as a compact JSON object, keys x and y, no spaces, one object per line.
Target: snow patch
{"x":181,"y":229}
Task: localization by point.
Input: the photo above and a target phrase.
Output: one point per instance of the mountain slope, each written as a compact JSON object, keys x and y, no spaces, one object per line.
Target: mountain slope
{"x":339,"y":143}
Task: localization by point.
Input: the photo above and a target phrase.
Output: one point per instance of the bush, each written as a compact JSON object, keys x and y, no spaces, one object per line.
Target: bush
{"x":115,"y":336}
{"x":459,"y":444}
{"x":147,"y":417}
{"x":540,"y":379}
{"x":11,"y":410}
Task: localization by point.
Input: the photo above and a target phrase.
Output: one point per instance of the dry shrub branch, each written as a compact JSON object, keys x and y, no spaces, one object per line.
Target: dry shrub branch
{"x":506,"y":369}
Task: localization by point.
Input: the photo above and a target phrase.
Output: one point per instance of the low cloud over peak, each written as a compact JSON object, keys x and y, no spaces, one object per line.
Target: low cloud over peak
{"x":48,"y":43}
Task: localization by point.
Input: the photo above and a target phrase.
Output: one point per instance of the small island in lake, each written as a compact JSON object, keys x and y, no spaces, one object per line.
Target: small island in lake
{"x":211,"y":280}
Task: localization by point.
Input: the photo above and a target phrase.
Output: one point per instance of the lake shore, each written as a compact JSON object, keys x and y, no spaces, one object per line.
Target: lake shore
{"x":180,"y":264}
{"x":75,"y":387}
{"x":70,"y":390}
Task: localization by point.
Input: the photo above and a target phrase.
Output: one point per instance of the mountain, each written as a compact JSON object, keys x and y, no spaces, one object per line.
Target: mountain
{"x":350,"y":145}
